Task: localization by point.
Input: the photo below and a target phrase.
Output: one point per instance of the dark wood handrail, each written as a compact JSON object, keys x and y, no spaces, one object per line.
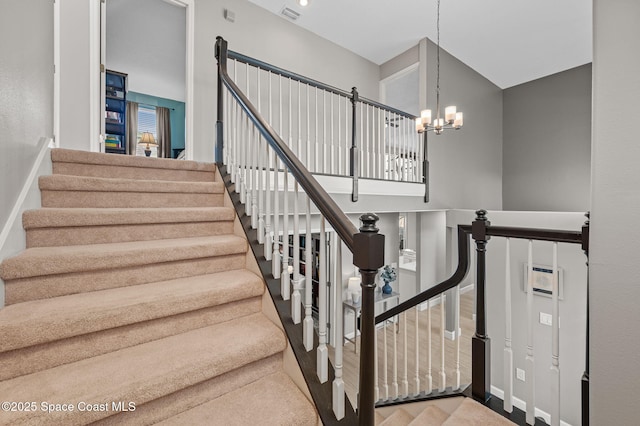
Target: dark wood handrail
{"x":463,"y":267}
{"x":311,"y":82}
{"x":323,"y":201}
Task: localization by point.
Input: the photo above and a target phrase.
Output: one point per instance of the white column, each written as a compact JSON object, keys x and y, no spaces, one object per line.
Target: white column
{"x":296,"y":303}
{"x":307,"y":324}
{"x":285,"y":285}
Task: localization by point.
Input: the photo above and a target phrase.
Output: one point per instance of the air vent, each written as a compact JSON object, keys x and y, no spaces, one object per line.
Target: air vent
{"x":290,"y":13}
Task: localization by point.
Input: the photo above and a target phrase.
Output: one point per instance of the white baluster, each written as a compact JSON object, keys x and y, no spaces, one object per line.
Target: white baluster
{"x":308,"y":145}
{"x":322,"y":352}
{"x":417,"y":352}
{"x":242,"y":144}
{"x":347,"y":141}
{"x":275,"y":260}
{"x":316,"y":156}
{"x":555,"y":343}
{"x":247,"y":154}
{"x":254,"y":177}
{"x":338,"y":383}
{"x":405,"y":380}
{"x":429,"y":377}
{"x":299,"y":122}
{"x":268,"y":249}
{"x":458,"y":338}
{"x":508,"y":352}
{"x":375,"y":357}
{"x":285,"y":285}
{"x":261,"y":159}
{"x":529,"y":360}
{"x":332,"y":162}
{"x":307,"y":324}
{"x":324,"y":131}
{"x":443,"y":374}
{"x":296,"y":303}
{"x":385,"y":366}
{"x":394,"y":384}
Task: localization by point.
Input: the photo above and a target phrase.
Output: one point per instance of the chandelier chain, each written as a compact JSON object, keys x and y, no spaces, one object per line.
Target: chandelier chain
{"x":438,"y":64}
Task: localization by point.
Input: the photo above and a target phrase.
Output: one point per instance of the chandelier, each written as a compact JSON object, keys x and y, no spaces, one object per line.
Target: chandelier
{"x":452,"y":119}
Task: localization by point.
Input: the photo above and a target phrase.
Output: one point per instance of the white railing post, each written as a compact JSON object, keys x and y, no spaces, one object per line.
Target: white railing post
{"x":405,"y":373}
{"x":385,"y":365}
{"x":285,"y":285}
{"x":458,"y":336}
{"x":394,"y":384}
{"x":508,"y":352}
{"x":275,"y":259}
{"x":268,"y":249}
{"x":443,"y":324}
{"x":296,"y":303}
{"x":417,"y":389}
{"x":529,"y":360}
{"x":322,"y":351}
{"x":307,"y":324}
{"x":338,"y":383}
{"x":555,"y":343}
{"x":429,"y":376}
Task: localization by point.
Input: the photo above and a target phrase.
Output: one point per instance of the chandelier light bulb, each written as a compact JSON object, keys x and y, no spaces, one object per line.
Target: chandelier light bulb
{"x":425,"y":116}
{"x":303,"y":2}
{"x":419,"y":126}
{"x":450,"y":114}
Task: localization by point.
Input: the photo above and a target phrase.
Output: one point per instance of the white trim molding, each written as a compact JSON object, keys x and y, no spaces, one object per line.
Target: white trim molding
{"x":518,"y":403}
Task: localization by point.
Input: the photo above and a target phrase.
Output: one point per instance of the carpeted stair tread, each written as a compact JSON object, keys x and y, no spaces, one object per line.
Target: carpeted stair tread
{"x":400,"y":417}
{"x":117,"y":185}
{"x":85,"y":157}
{"x":40,"y":321}
{"x":430,"y":416}
{"x":74,"y":217}
{"x":41,"y":261}
{"x":473,"y":413}
{"x":272,"y":400}
{"x":144,"y":372}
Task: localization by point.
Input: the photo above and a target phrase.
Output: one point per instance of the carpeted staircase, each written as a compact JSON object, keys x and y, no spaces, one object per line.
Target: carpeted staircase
{"x":137,"y":302}
{"x":467,"y":413}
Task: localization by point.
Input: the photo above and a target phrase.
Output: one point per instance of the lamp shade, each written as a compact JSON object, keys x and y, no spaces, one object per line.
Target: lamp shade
{"x":148,"y":139}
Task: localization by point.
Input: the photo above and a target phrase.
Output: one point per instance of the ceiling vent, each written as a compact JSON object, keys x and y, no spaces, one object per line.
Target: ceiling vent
{"x":290,"y":13}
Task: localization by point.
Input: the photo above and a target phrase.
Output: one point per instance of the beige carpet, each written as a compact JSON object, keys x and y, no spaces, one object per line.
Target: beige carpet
{"x":132,"y":304}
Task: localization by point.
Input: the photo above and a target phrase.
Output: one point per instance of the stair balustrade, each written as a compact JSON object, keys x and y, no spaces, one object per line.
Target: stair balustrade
{"x":267,"y":147}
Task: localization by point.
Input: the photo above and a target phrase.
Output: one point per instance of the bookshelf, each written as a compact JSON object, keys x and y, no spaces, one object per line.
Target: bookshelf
{"x":115,"y":112}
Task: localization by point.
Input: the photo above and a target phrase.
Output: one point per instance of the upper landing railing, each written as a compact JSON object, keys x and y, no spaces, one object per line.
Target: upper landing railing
{"x":333,"y":131}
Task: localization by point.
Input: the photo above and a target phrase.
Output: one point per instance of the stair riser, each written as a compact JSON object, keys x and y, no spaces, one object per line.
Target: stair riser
{"x":46,"y":286}
{"x":144,"y":373}
{"x":185,"y":399}
{"x":123,"y":172}
{"x":55,"y":237}
{"x":128,"y":199}
{"x":41,"y":357}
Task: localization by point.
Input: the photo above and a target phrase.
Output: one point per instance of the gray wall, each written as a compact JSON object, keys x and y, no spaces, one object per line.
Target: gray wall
{"x":547,"y":143}
{"x":466,"y":165}
{"x":615,"y":214}
{"x":26,"y":92}
{"x":147,"y":40}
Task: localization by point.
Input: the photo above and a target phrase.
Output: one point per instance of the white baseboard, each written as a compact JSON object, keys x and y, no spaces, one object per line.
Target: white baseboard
{"x":13,"y":236}
{"x":517,"y":402}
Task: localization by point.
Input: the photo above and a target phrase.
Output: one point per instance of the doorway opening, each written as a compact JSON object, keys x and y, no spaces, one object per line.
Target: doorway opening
{"x":146,"y":52}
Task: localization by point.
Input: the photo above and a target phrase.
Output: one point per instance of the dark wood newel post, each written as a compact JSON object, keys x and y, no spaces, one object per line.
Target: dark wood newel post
{"x":368,"y":256}
{"x":354,"y":163}
{"x":585,"y":376}
{"x":480,"y":343}
{"x":221,"y":56}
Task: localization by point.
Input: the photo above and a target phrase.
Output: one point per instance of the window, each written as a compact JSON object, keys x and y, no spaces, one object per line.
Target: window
{"x":147,"y":123}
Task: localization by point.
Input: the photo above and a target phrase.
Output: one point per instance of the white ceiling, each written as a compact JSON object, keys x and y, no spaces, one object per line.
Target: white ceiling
{"x":507,"y":41}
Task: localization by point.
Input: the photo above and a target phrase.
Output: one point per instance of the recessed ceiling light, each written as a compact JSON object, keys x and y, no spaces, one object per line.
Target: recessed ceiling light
{"x":303,"y":2}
